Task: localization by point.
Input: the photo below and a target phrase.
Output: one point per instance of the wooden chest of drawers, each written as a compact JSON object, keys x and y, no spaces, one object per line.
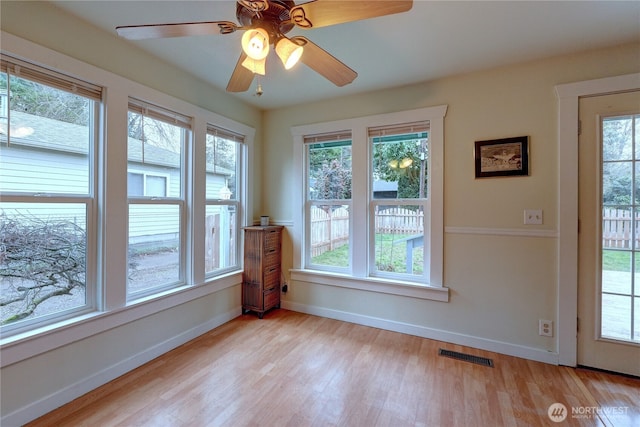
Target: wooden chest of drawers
{"x":261,"y":276}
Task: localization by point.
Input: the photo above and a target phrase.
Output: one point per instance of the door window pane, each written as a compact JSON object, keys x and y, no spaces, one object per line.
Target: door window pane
{"x":620,"y":228}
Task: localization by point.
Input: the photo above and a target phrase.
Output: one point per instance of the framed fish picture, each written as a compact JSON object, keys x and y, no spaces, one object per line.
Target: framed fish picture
{"x":502,"y":157}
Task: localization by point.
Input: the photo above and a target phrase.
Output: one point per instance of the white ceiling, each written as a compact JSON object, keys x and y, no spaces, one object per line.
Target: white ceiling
{"x":434,"y":39}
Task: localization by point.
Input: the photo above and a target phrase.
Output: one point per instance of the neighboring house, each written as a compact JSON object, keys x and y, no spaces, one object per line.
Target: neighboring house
{"x":47,"y":145}
{"x":385,"y":189}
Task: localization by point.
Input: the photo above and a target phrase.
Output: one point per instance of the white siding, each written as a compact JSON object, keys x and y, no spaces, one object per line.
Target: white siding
{"x":38,"y":170}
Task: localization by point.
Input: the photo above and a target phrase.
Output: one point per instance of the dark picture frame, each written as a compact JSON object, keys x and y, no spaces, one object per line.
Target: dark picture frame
{"x":502,"y":157}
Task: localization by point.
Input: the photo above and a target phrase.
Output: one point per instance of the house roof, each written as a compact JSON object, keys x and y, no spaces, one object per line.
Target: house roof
{"x":71,"y":138}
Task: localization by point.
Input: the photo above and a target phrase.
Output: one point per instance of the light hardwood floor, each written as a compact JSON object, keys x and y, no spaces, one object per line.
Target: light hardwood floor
{"x":293,"y":369}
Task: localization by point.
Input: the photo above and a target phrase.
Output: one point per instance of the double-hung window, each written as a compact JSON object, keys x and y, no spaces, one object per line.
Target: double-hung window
{"x":371,"y":197}
{"x":328,"y":201}
{"x":49,"y":126}
{"x":158,"y":140}
{"x":224,"y":153}
{"x":399,"y":200}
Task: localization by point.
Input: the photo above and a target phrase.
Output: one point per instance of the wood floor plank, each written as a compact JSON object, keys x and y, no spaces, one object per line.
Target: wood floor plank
{"x":293,"y":369}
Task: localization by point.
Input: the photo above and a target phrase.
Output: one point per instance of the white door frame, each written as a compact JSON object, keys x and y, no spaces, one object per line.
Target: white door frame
{"x":567,"y":309}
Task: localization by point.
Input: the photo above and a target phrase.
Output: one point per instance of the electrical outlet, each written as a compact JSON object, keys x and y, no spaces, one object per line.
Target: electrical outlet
{"x":545,"y":328}
{"x":533,"y":216}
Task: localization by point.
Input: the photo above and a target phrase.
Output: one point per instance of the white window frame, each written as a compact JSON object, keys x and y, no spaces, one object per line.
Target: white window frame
{"x":62,"y":81}
{"x":359,"y":277}
{"x":184,"y":122}
{"x":424,"y":203}
{"x":237,"y":202}
{"x":308,"y":203}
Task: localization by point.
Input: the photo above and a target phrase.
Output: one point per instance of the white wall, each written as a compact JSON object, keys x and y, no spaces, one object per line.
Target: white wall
{"x":502,"y":275}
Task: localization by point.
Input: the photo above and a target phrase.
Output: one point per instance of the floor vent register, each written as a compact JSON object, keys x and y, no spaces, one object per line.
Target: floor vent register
{"x":466,"y":357}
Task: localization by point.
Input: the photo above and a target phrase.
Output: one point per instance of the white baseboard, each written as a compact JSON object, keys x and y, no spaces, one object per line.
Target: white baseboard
{"x":47,"y":404}
{"x":430,"y":333}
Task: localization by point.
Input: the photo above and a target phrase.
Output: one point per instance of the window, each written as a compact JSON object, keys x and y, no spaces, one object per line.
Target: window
{"x":328,"y":201}
{"x":223,"y":154}
{"x":372,"y":199}
{"x":399,"y":199}
{"x":48,"y":137}
{"x":620,"y":292}
{"x":96,"y":232}
{"x":156,"y":151}
{"x":143,"y":184}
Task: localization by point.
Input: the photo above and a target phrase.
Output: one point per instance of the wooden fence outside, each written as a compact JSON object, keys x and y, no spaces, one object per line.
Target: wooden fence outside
{"x":399,"y":221}
{"x":330,"y":228}
{"x":618,"y":229}
{"x":217,"y":241}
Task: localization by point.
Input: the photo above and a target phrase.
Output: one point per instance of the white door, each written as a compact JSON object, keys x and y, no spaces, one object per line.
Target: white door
{"x":609,"y":237}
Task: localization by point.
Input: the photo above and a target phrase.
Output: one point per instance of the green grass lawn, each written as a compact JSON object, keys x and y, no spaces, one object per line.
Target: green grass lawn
{"x":616,"y":260}
{"x":390,"y":255}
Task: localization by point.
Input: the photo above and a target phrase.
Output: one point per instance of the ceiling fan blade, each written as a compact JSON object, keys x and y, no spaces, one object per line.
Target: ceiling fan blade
{"x":319,"y":13}
{"x":153,"y":31}
{"x":241,"y":78}
{"x":324,"y":63}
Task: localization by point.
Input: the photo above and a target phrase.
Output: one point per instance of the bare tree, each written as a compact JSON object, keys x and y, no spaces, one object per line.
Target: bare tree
{"x":39,"y":259}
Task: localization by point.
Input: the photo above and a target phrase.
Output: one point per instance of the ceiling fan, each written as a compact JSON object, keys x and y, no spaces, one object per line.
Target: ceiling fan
{"x":265,"y":23}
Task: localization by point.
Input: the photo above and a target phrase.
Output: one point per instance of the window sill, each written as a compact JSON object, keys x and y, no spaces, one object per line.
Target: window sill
{"x":370,"y":284}
{"x":28,"y":344}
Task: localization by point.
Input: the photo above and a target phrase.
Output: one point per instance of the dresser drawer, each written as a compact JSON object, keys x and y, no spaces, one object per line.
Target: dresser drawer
{"x":271,"y":298}
{"x":271,"y":277}
{"x":272,"y":240}
{"x":271,"y":259}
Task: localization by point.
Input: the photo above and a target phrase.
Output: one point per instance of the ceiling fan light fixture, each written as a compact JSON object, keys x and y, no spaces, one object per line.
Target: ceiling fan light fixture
{"x":255,"y":43}
{"x":288,"y":52}
{"x":255,"y":65}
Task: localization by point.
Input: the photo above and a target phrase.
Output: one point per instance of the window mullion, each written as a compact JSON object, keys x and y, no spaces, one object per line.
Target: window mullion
{"x":360,"y":219}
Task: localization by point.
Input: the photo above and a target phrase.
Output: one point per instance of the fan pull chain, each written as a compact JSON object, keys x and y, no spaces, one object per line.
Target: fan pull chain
{"x":259,"y":90}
